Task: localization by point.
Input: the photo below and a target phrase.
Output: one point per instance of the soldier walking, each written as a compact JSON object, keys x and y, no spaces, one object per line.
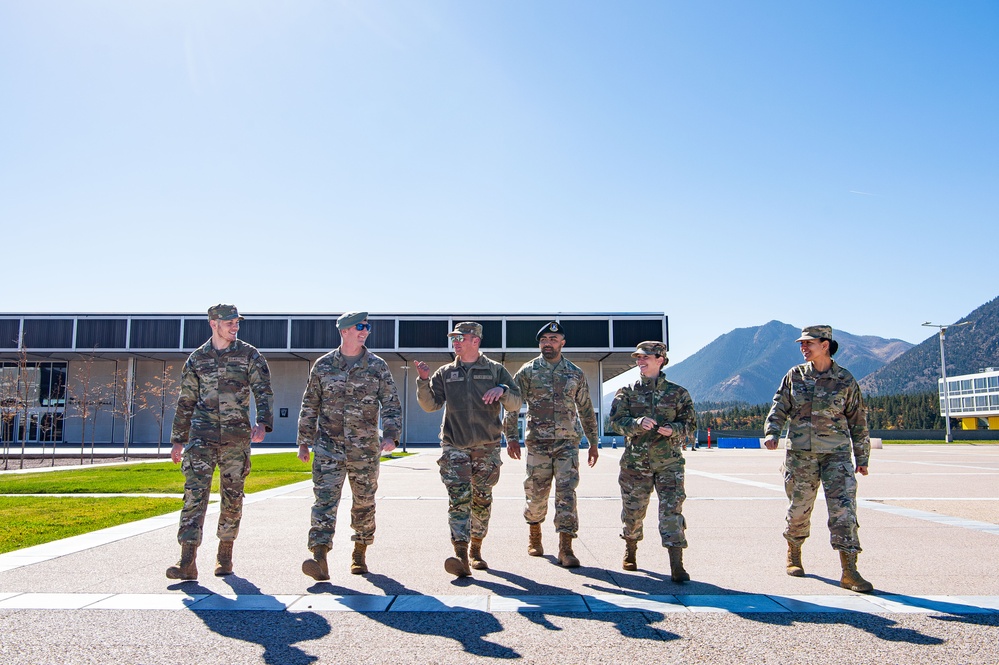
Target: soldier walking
{"x":474,"y":388}
{"x":656,"y":417}
{"x":339,"y":421}
{"x":558,"y":398}
{"x":212,"y":428}
{"x":828,"y":443}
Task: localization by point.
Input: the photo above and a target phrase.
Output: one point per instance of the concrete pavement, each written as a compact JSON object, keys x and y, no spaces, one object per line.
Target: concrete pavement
{"x":929,"y":526}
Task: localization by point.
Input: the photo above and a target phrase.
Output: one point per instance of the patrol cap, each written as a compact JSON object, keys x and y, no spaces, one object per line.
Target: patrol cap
{"x":348,"y":319}
{"x":649,"y":349}
{"x":222,"y":312}
{"x":467,"y":328}
{"x":553,"y":328}
{"x":819,"y":333}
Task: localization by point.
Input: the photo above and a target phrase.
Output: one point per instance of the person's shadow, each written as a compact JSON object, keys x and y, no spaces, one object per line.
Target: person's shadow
{"x":877,"y":625}
{"x":631,"y":624}
{"x":277,"y":632}
{"x":470,"y":630}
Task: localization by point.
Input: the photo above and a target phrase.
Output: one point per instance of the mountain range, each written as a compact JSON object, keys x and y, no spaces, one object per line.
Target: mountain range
{"x":747,"y":364}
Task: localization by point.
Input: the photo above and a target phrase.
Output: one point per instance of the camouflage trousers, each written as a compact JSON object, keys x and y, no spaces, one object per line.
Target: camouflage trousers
{"x":198,"y":466}
{"x":558,"y":459}
{"x":803,"y":471}
{"x":328,"y":474}
{"x":469,"y":475}
{"x":636,"y":489}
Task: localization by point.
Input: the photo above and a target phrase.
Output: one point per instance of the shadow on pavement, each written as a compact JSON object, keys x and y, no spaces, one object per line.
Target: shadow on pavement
{"x":469,"y":627}
{"x":276,"y":632}
{"x":635,"y":625}
{"x":657,"y":583}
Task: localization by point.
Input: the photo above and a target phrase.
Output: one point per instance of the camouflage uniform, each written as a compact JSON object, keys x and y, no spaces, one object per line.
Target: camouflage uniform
{"x":650,"y":459}
{"x":339,"y":420}
{"x":557,"y":397}
{"x":212,"y":422}
{"x":828,"y":426}
{"x":470,"y":438}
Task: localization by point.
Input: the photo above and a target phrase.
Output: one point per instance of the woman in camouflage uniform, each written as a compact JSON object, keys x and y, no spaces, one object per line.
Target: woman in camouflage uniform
{"x":657,"y":418}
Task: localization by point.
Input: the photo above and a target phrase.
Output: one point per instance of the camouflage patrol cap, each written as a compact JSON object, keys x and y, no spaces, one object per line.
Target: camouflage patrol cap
{"x":467,"y":328}
{"x":815,"y":332}
{"x":551,"y":328}
{"x":822,"y":333}
{"x":223,"y":313}
{"x":651,"y":349}
{"x":349,"y":319}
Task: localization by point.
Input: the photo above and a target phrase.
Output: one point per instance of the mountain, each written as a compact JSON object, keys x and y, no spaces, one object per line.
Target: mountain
{"x":969,"y":348}
{"x":746,"y":365}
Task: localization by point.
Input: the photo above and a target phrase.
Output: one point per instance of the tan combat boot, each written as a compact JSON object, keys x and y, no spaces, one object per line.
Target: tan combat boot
{"x":629,"y":554}
{"x":187,"y":567}
{"x":357,"y":565}
{"x":316,"y":567}
{"x":676,"y":571}
{"x":475,"y":555}
{"x":223,"y":562}
{"x":457,"y":565}
{"x":794,"y":568}
{"x":851,"y":578}
{"x":566,"y":558}
{"x":534,"y":546}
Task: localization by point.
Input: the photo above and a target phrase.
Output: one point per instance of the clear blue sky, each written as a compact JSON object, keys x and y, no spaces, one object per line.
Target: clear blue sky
{"x":727,"y":163}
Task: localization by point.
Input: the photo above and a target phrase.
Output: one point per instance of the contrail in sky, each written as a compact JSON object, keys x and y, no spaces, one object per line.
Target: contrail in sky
{"x":853,"y":191}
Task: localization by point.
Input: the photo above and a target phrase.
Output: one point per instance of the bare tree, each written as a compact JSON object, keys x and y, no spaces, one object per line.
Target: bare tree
{"x":26,"y":395}
{"x":156,"y":395}
{"x":81,"y":396}
{"x":8,"y":407}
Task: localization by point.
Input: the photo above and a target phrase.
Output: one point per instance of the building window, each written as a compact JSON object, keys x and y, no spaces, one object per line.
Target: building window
{"x":101,"y":333}
{"x":196,"y":332}
{"x":265,"y":333}
{"x":48,"y":333}
{"x":9,"y":329}
{"x":382,"y":334}
{"x":154,"y":334}
{"x":314,"y":334}
{"x":628,"y":333}
{"x":979,"y":385}
{"x":423,"y":334}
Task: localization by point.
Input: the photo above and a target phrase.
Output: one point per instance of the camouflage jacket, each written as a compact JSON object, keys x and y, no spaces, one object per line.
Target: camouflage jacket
{"x":666,"y":403}
{"x":340,"y":407}
{"x":214,"y":403}
{"x":558,"y":398}
{"x":825,"y":409}
{"x":468,"y":421}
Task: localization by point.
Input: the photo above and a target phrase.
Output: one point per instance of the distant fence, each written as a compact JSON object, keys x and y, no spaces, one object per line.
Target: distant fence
{"x":886,"y":434}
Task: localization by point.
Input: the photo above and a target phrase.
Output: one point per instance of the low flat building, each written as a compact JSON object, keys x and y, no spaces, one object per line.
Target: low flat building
{"x":974,"y":398}
{"x":111,"y":379}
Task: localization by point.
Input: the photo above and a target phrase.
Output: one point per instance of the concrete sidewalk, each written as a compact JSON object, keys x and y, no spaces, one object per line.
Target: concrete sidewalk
{"x":929,"y":526}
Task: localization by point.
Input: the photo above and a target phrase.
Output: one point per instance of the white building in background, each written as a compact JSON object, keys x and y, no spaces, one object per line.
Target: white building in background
{"x":109,"y":379}
{"x":973,"y":398}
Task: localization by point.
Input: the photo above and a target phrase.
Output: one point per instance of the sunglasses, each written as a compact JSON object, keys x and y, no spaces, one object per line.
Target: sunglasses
{"x":460,"y":338}
{"x":363,"y":326}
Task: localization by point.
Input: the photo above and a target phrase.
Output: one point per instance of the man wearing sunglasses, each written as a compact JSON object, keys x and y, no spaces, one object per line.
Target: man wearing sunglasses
{"x":473,"y":388}
{"x":339,"y":421}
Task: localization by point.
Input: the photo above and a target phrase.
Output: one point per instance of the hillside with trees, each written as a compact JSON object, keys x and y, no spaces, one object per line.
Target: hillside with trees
{"x":969,"y":348}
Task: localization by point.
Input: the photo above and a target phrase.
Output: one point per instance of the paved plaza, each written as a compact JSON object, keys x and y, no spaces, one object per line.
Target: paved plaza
{"x":929,"y":520}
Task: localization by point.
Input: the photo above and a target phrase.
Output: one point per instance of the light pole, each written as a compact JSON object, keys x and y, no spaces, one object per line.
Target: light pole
{"x":943,"y":372}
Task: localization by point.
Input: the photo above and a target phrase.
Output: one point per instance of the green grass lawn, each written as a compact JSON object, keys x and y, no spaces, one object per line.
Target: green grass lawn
{"x":31,"y":520}
{"x":27,"y":521}
{"x":267,"y":472}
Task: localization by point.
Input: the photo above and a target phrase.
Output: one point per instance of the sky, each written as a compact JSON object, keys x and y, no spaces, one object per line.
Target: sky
{"x":725,"y":163}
